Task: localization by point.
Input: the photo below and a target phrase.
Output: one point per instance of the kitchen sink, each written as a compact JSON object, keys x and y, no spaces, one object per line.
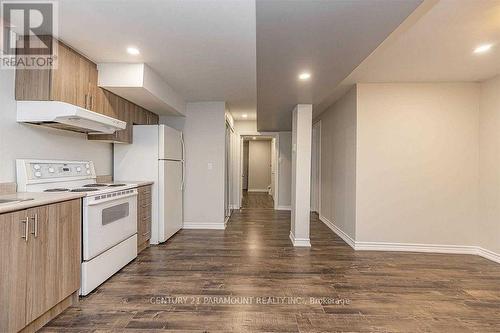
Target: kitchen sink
{"x":4,"y":201}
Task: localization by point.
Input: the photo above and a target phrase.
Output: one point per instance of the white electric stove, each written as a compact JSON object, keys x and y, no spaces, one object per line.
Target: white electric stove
{"x":109,"y":213}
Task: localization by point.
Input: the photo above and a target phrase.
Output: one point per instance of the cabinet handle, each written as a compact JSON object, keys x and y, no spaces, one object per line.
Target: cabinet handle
{"x":35,"y":226}
{"x":86,"y":101}
{"x":26,"y":222}
{"x":91,"y":102}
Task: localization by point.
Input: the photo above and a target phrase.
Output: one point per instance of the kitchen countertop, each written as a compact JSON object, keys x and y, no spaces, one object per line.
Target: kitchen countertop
{"x":139,"y":183}
{"x":39,"y":199}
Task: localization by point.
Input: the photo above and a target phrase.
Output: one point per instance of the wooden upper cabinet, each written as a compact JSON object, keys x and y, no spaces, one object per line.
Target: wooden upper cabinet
{"x":152,"y":118}
{"x":87,"y":84}
{"x":73,"y":80}
{"x":63,"y":84}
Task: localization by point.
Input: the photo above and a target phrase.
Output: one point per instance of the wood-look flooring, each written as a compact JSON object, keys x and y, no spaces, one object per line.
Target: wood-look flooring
{"x":253,"y":257}
{"x":256,"y":200}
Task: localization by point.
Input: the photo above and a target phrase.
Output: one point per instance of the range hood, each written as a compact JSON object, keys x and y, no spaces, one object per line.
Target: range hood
{"x":66,"y":116}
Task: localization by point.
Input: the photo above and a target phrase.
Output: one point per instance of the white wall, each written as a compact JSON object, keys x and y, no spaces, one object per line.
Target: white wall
{"x":417,"y":163}
{"x":30,"y":141}
{"x":338,"y":163}
{"x":204,"y":136}
{"x":489,"y":154}
{"x":259,"y":165}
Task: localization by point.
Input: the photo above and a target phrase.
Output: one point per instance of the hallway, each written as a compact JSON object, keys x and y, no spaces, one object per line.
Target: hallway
{"x":256,"y":200}
{"x":253,"y":260}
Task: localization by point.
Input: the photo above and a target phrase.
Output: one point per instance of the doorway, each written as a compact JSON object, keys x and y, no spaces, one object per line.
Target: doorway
{"x":258,"y":172}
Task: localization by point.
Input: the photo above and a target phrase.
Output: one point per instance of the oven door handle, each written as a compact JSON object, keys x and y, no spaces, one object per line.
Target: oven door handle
{"x":100,"y":201}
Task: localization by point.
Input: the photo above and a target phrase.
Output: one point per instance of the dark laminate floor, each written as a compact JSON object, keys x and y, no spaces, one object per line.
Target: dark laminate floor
{"x":256,"y":200}
{"x":253,"y":257}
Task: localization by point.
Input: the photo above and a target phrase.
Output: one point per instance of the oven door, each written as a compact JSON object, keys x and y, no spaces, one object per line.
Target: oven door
{"x":107,"y":221}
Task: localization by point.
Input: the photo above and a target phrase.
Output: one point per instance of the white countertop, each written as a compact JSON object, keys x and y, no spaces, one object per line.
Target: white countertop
{"x":29,"y":200}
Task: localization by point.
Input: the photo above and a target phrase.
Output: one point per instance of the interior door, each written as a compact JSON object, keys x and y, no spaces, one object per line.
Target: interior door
{"x":245,"y":165}
{"x":315,"y":167}
{"x":171,"y":204}
{"x":273,"y":168}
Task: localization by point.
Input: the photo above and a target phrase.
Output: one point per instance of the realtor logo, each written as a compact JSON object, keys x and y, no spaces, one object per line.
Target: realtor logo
{"x":27,"y":30}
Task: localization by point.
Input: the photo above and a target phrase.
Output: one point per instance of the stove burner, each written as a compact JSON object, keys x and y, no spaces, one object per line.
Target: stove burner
{"x":116,"y":185}
{"x":57,"y":190}
{"x":84,"y":189}
{"x":95,"y":185}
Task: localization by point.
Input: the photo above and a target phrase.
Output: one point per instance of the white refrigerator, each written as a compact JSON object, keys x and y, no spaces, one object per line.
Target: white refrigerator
{"x":157,"y":154}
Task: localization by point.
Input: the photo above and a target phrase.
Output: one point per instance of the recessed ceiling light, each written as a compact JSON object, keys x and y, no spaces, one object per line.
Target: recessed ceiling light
{"x":304,"y":76}
{"x":244,"y":115}
{"x":132,"y":51}
{"x":483,"y":48}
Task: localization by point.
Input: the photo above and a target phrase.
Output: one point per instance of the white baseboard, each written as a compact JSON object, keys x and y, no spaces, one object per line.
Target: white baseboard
{"x":209,"y":226}
{"x":348,"y":239}
{"x":487,"y":254}
{"x":258,"y":190}
{"x":299,"y":242}
{"x":283,"y":207}
{"x":411,"y":247}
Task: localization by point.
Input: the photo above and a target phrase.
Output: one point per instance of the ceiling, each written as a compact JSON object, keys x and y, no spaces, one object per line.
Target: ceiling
{"x":435,"y":44}
{"x":204,"y":49}
{"x":249,"y":53}
{"x":328,"y":38}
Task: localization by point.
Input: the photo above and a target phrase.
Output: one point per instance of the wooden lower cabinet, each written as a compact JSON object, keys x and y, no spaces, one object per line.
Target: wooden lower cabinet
{"x":143,"y":217}
{"x":40,"y":262}
{"x":14,"y":251}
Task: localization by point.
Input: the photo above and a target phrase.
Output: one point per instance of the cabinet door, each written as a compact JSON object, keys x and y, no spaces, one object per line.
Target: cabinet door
{"x":86,"y":89}
{"x":82,"y":86}
{"x":53,"y":257}
{"x":64,"y":79}
{"x":67,"y":216}
{"x":125,"y":113}
{"x":14,"y":273}
{"x":42,"y":261}
{"x":153,"y":118}
{"x":92,"y":86}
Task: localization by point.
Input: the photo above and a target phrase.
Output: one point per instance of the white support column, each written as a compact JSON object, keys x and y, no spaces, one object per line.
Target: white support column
{"x":301,"y":174}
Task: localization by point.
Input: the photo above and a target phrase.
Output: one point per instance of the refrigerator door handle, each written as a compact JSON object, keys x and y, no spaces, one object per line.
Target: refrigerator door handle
{"x":183,"y":162}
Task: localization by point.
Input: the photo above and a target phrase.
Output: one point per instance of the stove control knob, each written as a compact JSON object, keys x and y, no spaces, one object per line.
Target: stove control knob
{"x":78,"y":169}
{"x":38,"y":174}
{"x":51,"y":170}
{"x":88,"y":172}
{"x":87,"y":166}
{"x":36,"y":167}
